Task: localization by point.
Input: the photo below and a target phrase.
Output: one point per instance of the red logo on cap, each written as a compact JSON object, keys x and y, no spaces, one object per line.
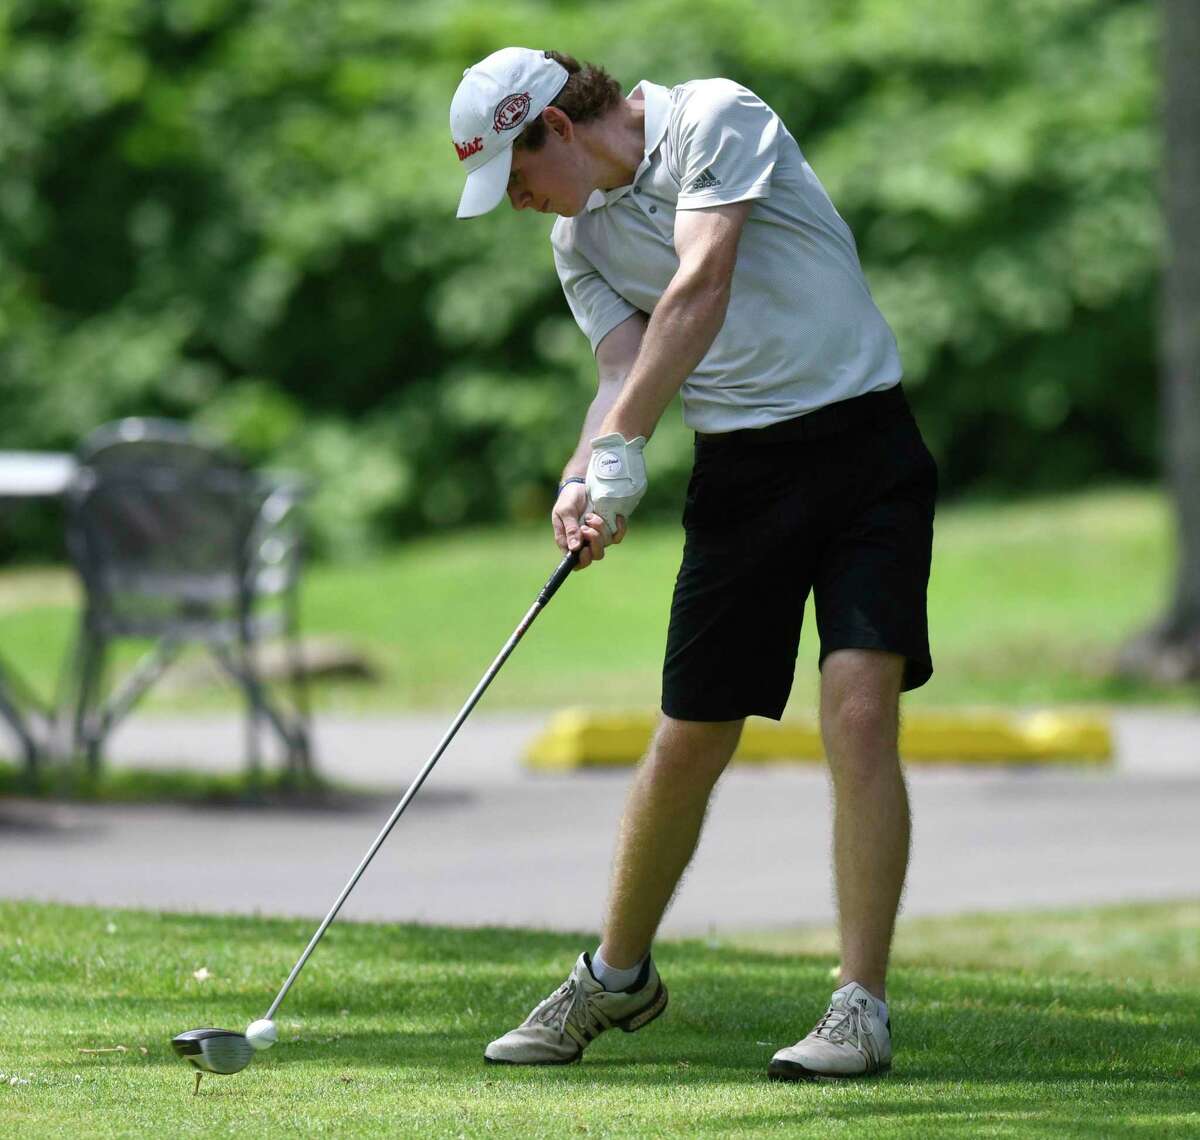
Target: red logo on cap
{"x":465,"y":150}
{"x":511,"y":112}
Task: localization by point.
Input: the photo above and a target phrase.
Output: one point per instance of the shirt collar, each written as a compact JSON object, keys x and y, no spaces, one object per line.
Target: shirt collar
{"x":658,"y":107}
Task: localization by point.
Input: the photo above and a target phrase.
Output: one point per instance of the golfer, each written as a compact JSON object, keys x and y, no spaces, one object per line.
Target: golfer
{"x":700,"y":254}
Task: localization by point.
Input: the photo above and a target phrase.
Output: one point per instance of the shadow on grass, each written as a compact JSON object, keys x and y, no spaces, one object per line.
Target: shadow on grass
{"x":1035,"y":1112}
{"x":985,"y":1034}
{"x":276,"y":791}
{"x":1023,"y":1076}
{"x":977,"y":1051}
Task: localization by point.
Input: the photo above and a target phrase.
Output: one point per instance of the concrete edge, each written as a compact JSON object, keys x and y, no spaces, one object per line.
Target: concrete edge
{"x":582,"y":738}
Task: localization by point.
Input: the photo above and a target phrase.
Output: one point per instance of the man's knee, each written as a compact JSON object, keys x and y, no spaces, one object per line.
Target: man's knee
{"x":694,"y":748}
{"x":860,"y":705}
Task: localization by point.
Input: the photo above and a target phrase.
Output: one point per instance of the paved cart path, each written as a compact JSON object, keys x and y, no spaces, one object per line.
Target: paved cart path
{"x":487,"y":843}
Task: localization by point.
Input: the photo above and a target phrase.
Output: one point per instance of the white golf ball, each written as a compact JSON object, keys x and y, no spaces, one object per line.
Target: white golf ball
{"x":262,"y":1034}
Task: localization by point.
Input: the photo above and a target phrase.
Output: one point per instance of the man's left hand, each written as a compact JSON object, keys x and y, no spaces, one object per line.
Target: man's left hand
{"x":616,"y":477}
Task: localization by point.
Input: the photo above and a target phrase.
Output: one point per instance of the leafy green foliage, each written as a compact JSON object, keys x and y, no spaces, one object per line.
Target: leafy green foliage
{"x":245,"y":213}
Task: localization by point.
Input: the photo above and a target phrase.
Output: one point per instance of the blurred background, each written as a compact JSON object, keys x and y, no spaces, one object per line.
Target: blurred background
{"x":241,"y":215}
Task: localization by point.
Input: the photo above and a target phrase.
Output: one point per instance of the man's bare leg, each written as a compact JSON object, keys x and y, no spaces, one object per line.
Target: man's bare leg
{"x":660,"y":829}
{"x":860,"y":695}
{"x":662,"y":821}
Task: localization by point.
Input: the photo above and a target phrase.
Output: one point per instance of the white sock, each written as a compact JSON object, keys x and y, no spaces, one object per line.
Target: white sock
{"x":610,"y":977}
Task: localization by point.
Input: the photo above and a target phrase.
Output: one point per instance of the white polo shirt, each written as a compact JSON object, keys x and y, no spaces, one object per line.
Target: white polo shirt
{"x":801,"y":330}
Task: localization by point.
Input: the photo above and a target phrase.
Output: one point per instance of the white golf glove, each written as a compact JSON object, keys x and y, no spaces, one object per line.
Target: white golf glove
{"x":616,"y":477}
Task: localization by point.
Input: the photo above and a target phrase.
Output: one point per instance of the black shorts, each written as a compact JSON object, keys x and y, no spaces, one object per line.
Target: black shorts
{"x":839,"y":501}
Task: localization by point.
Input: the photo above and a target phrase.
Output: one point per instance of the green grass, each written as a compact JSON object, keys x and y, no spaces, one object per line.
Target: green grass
{"x":383,"y":1036}
{"x":1150,"y":942}
{"x":158,"y":785}
{"x":1028,"y":603}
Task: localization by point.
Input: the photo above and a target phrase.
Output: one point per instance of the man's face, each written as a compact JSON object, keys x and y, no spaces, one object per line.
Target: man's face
{"x":549,"y":180}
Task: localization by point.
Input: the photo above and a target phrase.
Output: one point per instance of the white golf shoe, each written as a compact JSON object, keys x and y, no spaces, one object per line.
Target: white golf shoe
{"x":561,"y":1027}
{"x":851,"y":1040}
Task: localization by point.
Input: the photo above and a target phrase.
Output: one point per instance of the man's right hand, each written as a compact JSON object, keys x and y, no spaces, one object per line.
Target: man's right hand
{"x":577,"y":528}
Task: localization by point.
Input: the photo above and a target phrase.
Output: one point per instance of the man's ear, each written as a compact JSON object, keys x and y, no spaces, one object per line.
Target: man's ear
{"x":559,"y":122}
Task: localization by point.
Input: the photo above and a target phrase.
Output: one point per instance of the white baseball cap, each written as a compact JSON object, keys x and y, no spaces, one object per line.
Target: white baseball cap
{"x":495,"y":100}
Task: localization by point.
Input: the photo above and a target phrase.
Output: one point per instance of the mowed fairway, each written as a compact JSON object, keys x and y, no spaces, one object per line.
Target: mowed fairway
{"x":384,"y":1032}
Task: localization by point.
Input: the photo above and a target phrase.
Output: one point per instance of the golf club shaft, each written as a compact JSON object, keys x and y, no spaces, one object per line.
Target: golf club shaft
{"x":548,"y":591}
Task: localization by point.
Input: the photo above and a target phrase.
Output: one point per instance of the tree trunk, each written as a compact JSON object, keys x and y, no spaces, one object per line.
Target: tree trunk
{"x":1170,"y":649}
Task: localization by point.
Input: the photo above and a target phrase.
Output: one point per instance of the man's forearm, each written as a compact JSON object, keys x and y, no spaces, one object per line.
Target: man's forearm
{"x":600,"y":407}
{"x":682,"y":328}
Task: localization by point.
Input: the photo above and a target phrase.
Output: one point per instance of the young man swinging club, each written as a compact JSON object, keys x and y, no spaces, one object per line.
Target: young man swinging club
{"x":699,"y":254}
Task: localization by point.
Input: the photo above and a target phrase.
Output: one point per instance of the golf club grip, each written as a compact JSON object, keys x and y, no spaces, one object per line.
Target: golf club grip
{"x":569,"y":562}
{"x":556,"y":579}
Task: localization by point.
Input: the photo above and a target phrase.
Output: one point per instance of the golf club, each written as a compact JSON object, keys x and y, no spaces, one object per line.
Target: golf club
{"x":226,"y":1051}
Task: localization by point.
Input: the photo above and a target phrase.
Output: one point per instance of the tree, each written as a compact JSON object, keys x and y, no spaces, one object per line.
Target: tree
{"x":243,"y":214}
{"x":1169,"y":650}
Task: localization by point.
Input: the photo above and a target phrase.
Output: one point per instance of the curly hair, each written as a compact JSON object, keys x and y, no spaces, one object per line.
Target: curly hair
{"x":589,"y":93}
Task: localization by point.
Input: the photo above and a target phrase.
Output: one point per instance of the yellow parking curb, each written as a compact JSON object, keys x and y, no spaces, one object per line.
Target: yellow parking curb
{"x":579,"y":738}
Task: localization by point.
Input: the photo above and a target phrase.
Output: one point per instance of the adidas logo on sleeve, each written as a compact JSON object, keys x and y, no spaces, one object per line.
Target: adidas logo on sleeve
{"x":706,"y":181}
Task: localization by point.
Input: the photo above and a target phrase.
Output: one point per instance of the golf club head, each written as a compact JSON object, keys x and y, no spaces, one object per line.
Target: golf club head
{"x":214,"y":1050}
